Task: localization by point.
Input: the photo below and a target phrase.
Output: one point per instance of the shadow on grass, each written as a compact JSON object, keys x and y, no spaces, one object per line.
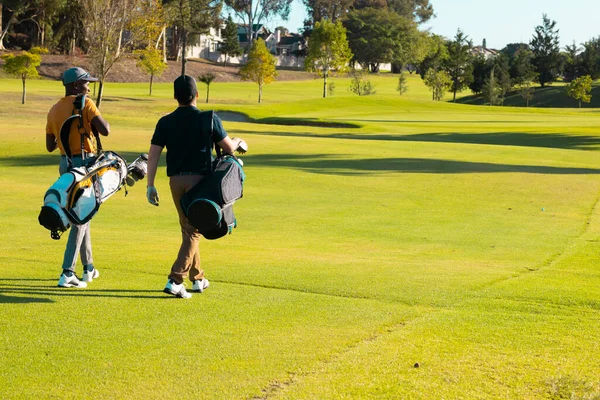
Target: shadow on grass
{"x":306,"y":122}
{"x":548,"y":97}
{"x":70,"y":292}
{"x":22,"y":300}
{"x":333,"y":164}
{"x":548,"y":140}
{"x":45,"y":159}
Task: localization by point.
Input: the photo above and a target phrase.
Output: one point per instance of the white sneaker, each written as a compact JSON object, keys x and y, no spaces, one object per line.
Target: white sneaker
{"x":176,"y":290}
{"x":89,"y":276}
{"x":70,"y":281}
{"x":200,"y":285}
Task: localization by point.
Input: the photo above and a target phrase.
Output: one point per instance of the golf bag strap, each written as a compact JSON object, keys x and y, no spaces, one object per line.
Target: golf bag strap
{"x":65,"y":130}
{"x":207,"y":128}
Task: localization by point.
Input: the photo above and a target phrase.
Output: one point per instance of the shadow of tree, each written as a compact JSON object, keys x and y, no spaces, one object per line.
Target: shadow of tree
{"x":55,"y":291}
{"x":48,"y":159}
{"x":549,"y":140}
{"x":22,"y":300}
{"x":333,"y":164}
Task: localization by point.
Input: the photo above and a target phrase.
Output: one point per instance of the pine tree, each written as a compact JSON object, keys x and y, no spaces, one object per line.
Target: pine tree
{"x":231,"y":44}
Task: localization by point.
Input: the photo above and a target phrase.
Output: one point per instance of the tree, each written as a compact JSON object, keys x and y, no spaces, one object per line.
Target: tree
{"x":231,"y":45}
{"x":418,"y":10}
{"x":147,"y":23}
{"x":378,"y":36}
{"x":105,"y":21}
{"x":18,"y":10}
{"x":24,"y":65}
{"x":491,"y":89}
{"x":260,"y":67}
{"x":589,"y":59}
{"x":151,"y":62}
{"x":570,"y":70}
{"x":191,"y":16}
{"x":545,"y":47}
{"x":580,"y":89}
{"x":327,"y":50}
{"x":521,"y":67}
{"x":207,"y":80}
{"x":359,"y":84}
{"x":318,"y":10}
{"x":435,"y":56}
{"x":526,"y":91}
{"x":458,"y":64}
{"x":438,"y":82}
{"x":481,"y":72}
{"x":254,"y":12}
{"x":402,"y":84}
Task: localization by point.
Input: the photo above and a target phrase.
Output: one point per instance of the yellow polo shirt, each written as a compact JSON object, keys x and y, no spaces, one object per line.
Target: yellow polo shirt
{"x":58,"y":115}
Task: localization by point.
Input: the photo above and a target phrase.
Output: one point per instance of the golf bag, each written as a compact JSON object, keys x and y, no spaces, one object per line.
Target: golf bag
{"x":77,"y":194}
{"x":209,"y":204}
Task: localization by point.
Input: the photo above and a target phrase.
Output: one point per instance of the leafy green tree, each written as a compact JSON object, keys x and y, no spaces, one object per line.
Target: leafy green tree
{"x":402,"y":84}
{"x":151,"y":62}
{"x":24,"y":65}
{"x":420,"y":11}
{"x":580,"y":89}
{"x":589,"y":59}
{"x":254,"y":12}
{"x":571,"y":67}
{"x":16,"y":10}
{"x":526,"y":91}
{"x":546,"y":50}
{"x":378,"y":36}
{"x":359,"y":84}
{"x":521,"y":66}
{"x":491,"y":90}
{"x":231,"y":45}
{"x":481,"y":72}
{"x":327,"y":50}
{"x":318,"y":10}
{"x":435,"y":56}
{"x":207,"y":80}
{"x":438,"y":82}
{"x":260,"y":67}
{"x":458,"y":64}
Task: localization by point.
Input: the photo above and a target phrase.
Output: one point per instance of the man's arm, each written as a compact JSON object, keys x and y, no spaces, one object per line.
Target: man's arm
{"x":153,"y":158}
{"x":230,"y":145}
{"x":99,"y":125}
{"x":50,"y":142}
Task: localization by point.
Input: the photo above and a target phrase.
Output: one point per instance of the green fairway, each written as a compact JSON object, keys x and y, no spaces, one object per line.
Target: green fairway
{"x":387,"y":247}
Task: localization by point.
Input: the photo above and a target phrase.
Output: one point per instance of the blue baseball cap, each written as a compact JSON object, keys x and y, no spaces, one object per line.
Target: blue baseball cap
{"x":75,"y":74}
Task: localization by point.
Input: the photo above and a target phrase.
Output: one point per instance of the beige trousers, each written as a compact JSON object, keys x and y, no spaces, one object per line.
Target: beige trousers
{"x":188,"y":258}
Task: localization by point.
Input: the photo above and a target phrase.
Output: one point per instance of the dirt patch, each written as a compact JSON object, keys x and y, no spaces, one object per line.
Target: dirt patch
{"x":125,"y":70}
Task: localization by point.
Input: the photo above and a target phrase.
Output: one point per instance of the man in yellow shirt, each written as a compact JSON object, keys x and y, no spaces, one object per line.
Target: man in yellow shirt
{"x":76,"y":82}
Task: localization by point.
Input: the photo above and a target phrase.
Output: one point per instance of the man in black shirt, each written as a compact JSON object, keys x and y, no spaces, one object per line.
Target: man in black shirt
{"x":189,"y":149}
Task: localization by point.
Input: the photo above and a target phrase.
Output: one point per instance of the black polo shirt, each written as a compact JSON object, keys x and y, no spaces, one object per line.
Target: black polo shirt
{"x":188,"y":138}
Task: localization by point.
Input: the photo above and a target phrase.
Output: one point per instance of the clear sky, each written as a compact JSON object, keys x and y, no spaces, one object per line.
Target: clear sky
{"x":499,"y":22}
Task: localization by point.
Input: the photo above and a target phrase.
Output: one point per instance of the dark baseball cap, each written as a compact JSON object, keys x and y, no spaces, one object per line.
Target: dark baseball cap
{"x":75,"y":74}
{"x":185,"y":89}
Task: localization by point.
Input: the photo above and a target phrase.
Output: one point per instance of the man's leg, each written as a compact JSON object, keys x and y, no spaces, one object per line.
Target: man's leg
{"x":68,"y":278}
{"x":74,"y":244}
{"x":188,"y":258}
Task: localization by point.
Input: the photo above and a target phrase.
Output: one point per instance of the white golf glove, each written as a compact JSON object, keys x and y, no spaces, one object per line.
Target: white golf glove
{"x":152,"y":195}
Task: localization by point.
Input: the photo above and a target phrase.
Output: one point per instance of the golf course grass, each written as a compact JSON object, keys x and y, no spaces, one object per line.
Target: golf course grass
{"x":387,"y":247}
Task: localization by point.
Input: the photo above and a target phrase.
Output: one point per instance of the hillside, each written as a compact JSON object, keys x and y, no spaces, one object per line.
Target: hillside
{"x":125,"y":70}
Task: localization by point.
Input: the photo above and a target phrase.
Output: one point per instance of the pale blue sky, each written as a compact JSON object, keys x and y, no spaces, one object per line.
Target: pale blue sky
{"x":499,"y":22}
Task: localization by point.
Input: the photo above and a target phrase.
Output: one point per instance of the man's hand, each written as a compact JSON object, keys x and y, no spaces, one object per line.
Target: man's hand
{"x":242,"y":146}
{"x":152,"y":195}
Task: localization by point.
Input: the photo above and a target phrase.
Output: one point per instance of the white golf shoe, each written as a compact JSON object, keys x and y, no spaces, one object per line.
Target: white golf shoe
{"x":177,"y":290}
{"x":89,"y":276}
{"x":70,"y":281}
{"x":200,"y":285}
